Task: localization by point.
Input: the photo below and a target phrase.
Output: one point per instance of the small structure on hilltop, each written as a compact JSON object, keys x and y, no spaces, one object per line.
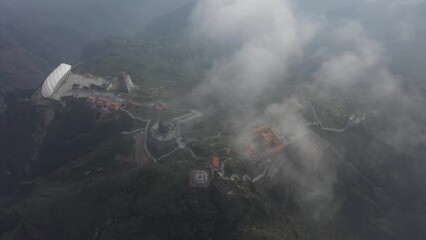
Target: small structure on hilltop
{"x":264,"y":143}
{"x":162,"y":136}
{"x":125,"y":82}
{"x":199,"y":178}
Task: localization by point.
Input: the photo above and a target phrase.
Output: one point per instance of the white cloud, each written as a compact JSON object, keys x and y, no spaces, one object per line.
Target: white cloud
{"x":265,"y":37}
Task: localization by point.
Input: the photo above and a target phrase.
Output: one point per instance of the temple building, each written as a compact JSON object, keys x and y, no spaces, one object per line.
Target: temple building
{"x":264,"y":143}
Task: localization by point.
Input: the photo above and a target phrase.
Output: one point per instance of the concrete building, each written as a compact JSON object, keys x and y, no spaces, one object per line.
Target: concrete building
{"x":55,"y":80}
{"x":63,"y":83}
{"x":199,"y":178}
{"x":125,"y":82}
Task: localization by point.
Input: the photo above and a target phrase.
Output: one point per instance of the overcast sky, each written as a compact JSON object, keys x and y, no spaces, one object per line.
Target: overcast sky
{"x":122,"y":17}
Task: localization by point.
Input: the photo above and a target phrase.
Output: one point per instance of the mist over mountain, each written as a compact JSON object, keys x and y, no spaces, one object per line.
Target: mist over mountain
{"x":95,"y":19}
{"x":342,"y":82}
{"x":50,"y":32}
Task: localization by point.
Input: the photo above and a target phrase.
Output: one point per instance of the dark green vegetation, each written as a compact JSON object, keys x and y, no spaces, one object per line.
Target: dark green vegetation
{"x":382,"y":190}
{"x":88,"y":188}
{"x":17,"y":124}
{"x":35,"y":37}
{"x":83,"y":183}
{"x":31,"y":50}
{"x":163,"y":70}
{"x":93,"y":192}
{"x":75,"y":133}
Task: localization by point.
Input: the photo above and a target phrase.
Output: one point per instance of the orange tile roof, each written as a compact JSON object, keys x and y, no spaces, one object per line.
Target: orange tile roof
{"x":114,"y":106}
{"x":265,"y":142}
{"x":91,"y":99}
{"x":214,"y":162}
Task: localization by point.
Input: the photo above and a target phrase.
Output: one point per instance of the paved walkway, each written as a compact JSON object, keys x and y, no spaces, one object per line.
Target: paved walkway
{"x":141,"y":158}
{"x":351,"y":122}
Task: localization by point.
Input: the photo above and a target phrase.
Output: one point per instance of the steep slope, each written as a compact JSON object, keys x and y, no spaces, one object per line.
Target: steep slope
{"x":170,"y":27}
{"x":37,"y":36}
{"x":379,"y":190}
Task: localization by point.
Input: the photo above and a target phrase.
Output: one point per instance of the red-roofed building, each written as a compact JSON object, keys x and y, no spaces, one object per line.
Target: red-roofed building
{"x":91,"y":99}
{"x":214,"y":162}
{"x":264,"y":143}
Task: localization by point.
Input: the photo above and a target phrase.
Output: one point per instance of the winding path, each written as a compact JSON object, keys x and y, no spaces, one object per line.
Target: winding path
{"x":148,"y":122}
{"x":319,"y":123}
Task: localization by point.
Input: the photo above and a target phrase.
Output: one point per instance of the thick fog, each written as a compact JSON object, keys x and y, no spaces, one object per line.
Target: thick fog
{"x":369,"y":51}
{"x":95,"y":18}
{"x":341,"y":48}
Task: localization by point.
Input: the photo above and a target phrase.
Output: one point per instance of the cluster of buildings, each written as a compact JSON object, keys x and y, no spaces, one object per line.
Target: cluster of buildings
{"x":105,"y":103}
{"x":268,"y":151}
{"x":201,"y":178}
{"x":62,"y":82}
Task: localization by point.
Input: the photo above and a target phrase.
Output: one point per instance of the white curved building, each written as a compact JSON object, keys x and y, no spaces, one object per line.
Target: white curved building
{"x":55,"y":80}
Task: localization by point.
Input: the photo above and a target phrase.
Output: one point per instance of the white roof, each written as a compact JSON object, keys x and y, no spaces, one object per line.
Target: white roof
{"x":53,"y":79}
